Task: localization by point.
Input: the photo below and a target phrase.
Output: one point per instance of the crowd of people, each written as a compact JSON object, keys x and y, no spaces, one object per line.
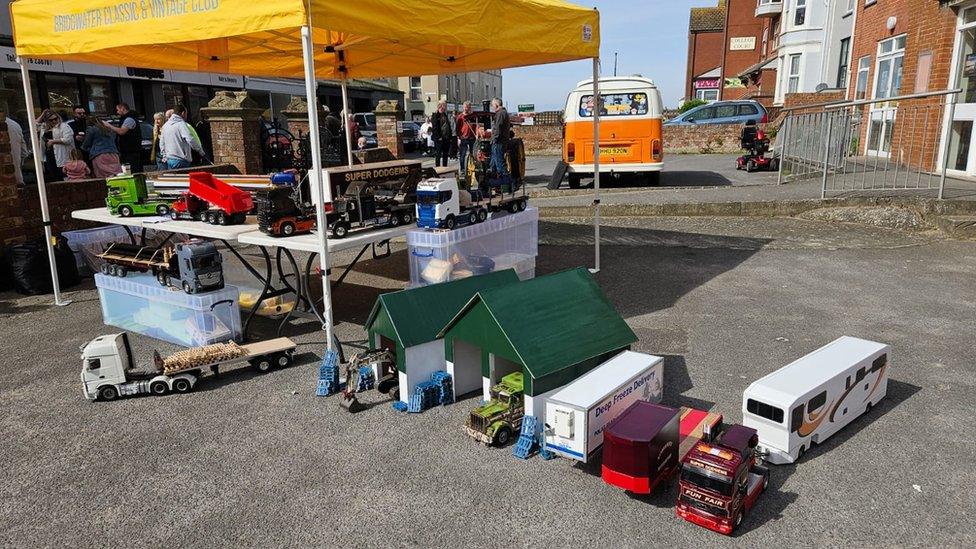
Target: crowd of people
{"x":89,"y":146}
{"x":448,"y":136}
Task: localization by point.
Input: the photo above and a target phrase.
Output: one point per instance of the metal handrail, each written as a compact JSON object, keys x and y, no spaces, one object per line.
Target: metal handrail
{"x":830,"y":105}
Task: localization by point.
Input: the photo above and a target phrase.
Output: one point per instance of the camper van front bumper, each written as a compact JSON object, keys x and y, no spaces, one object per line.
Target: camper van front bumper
{"x":610,"y":167}
{"x":774,"y":455}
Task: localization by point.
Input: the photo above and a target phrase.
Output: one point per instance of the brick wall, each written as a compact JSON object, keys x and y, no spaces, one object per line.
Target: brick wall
{"x":706,"y":138}
{"x":541,"y":140}
{"x":704,"y":54}
{"x":740,"y":22}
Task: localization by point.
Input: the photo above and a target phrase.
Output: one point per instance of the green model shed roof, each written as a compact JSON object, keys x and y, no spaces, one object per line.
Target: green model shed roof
{"x":418,"y":314}
{"x":554,"y":321}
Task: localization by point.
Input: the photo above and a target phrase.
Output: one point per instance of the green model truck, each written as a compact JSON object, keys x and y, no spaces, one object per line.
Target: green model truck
{"x":500,"y":419}
{"x":129,"y":195}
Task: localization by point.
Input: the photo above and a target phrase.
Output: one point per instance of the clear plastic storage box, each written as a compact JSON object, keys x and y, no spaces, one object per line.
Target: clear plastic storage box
{"x":138,"y":303}
{"x":504,"y":242}
{"x":87,"y":243}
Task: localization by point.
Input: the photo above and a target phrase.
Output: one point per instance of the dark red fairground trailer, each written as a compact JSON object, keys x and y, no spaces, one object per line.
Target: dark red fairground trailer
{"x":646,"y":442}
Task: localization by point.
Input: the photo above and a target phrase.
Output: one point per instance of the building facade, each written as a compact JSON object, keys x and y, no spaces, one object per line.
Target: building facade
{"x":422,"y":93}
{"x":814,"y":46}
{"x":706,"y":37}
{"x":741,"y":51}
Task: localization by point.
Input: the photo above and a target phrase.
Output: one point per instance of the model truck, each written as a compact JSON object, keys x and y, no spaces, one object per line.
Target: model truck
{"x":195,"y":265}
{"x":720,"y":481}
{"x":497,"y":421}
{"x":442,"y":205}
{"x":280,"y":212}
{"x":366,"y":204}
{"x":129,"y":195}
{"x":210,"y":199}
{"x":108,"y":370}
{"x":576,"y":415}
{"x":646,"y":443}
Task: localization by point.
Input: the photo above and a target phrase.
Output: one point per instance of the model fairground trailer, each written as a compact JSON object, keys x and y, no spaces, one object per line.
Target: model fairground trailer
{"x":810,"y":399}
{"x":108,"y":369}
{"x":194,"y":265}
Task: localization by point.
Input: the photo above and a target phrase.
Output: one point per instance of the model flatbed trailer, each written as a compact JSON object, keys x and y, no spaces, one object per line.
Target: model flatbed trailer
{"x":194,"y":265}
{"x":137,"y":258}
{"x":108,"y":369}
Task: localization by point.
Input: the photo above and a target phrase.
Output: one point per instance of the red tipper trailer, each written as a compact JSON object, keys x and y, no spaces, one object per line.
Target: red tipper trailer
{"x":226,"y":204}
{"x":645,"y":444}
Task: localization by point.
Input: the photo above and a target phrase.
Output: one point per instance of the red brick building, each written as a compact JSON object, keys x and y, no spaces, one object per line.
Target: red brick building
{"x":742,"y":50}
{"x":706,"y":39}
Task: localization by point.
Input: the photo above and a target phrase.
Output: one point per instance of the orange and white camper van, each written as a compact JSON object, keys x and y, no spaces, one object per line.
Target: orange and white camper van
{"x":630,"y":129}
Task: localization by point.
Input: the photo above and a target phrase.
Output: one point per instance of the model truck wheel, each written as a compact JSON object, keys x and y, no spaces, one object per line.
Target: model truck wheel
{"x":406,"y":218}
{"x":182,"y":385}
{"x":174,"y":215}
{"x":502,"y":436}
{"x":221,"y":218}
{"x":481,"y":215}
{"x":340,"y":229}
{"x":262,"y":364}
{"x":159,"y":388}
{"x":125,"y":211}
{"x":387,"y":383}
{"x":187,"y":288}
{"x":449,"y":222}
{"x":394,"y":220}
{"x":521,"y":205}
{"x":282,"y":360}
{"x":108,"y":393}
{"x":162,"y":209}
{"x":287,"y":228}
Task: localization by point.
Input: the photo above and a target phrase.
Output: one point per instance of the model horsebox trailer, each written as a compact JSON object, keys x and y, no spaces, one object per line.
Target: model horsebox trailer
{"x":577,"y":414}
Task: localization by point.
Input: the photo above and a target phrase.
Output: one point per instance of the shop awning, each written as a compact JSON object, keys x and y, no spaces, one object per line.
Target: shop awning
{"x":762,"y":65}
{"x":357,"y":38}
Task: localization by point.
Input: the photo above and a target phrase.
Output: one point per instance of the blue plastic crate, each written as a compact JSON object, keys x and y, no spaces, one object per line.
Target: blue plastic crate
{"x":528,"y":442}
{"x":328,"y":382}
{"x":400,"y":406}
{"x":366,"y":379}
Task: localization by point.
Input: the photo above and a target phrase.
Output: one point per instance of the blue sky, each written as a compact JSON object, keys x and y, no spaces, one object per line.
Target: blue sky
{"x":649,"y":36}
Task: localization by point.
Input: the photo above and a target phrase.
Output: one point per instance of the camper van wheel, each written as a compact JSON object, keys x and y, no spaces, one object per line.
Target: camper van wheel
{"x":182,"y":385}
{"x":653,"y":179}
{"x":449,"y":222}
{"x":868,"y":408}
{"x":125,"y":211}
{"x":502,"y":436}
{"x":159,"y":388}
{"x":162,"y":209}
{"x":108,"y":393}
{"x":799,"y":455}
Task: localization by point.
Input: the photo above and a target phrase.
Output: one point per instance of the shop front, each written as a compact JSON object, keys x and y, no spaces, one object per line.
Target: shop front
{"x":707,"y":85}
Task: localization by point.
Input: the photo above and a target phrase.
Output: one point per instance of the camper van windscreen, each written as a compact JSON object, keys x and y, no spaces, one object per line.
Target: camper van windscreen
{"x":764,"y":410}
{"x":615,"y":104}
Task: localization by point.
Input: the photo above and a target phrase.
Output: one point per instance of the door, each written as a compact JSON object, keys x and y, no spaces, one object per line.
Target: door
{"x":887,"y":83}
{"x":962,"y":154}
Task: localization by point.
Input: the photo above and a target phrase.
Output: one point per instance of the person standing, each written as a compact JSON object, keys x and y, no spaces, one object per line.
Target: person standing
{"x":100,"y":145}
{"x":130,"y":138}
{"x":58,"y":139}
{"x":500,"y":135}
{"x":466,"y":137}
{"x":154,"y":155}
{"x":426,"y":137}
{"x":78,"y":125}
{"x":177,"y":142}
{"x":18,"y":149}
{"x":442,"y":131}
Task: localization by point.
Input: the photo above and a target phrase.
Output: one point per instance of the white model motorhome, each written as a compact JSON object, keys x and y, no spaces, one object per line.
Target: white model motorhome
{"x":810,"y":399}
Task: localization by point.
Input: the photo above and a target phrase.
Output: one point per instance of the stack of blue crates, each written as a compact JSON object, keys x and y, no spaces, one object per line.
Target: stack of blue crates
{"x":367,"y":378}
{"x":445,"y":383}
{"x":328,"y":374}
{"x":425,"y":395}
{"x":528,"y":442}
{"x":400,"y":406}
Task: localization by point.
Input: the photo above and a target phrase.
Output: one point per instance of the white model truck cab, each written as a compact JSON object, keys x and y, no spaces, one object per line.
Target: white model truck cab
{"x":437,"y":201}
{"x":105,"y":360}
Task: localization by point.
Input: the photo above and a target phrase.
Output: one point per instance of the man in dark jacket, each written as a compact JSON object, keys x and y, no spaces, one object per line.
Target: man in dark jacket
{"x":130,"y":137}
{"x":501,"y":129}
{"x":442,"y":130}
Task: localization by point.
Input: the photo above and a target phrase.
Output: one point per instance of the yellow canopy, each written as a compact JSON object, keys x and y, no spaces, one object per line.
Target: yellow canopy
{"x":369,"y":38}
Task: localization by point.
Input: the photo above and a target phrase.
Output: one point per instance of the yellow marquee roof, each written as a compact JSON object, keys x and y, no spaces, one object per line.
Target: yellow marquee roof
{"x":370,"y":38}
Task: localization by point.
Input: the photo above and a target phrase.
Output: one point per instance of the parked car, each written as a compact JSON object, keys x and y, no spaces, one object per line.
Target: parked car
{"x":411,"y":135}
{"x":722,"y":112}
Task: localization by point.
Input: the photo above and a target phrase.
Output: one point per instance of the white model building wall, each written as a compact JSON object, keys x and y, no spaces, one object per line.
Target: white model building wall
{"x":536,"y":405}
{"x":420,"y":361}
{"x":465,"y":369}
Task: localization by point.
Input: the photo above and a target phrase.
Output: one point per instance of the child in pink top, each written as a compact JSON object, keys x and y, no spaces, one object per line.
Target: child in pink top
{"x":75,"y":168}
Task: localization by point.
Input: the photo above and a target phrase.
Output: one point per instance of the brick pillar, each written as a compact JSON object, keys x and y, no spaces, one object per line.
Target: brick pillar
{"x":235,"y":130}
{"x":11,"y":211}
{"x":388,"y":133}
{"x":296,"y":111}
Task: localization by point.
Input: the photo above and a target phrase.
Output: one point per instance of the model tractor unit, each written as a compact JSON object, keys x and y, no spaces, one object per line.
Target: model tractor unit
{"x":477,"y":172}
{"x":281,"y":212}
{"x":374,"y":197}
{"x":496,"y":422}
{"x":210,"y":199}
{"x":108,"y":370}
{"x":442,"y":205}
{"x":720,"y":481}
{"x":130,"y":195}
{"x":195,"y":265}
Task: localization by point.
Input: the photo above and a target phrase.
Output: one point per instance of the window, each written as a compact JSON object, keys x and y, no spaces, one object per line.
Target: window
{"x":615,"y":104}
{"x":817,"y":402}
{"x":800,"y":17}
{"x":891,"y":54}
{"x":845,"y":59}
{"x":923,"y":72}
{"x":861,"y":372}
{"x":765,"y":40}
{"x":879,"y":362}
{"x":702,"y":114}
{"x":94,"y":363}
{"x":796,"y":419}
{"x":863,"y":67}
{"x":793,"y":82}
{"x":487,"y":92}
{"x":416,"y":93}
{"x":706,"y":95}
{"x":101,"y":100}
{"x":746,"y":110}
{"x":62,"y":92}
{"x":850,"y":6}
{"x":725,"y":111}
{"x":764,"y":410}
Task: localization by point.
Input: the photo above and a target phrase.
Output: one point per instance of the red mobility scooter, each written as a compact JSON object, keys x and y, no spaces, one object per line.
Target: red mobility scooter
{"x":756,"y":145}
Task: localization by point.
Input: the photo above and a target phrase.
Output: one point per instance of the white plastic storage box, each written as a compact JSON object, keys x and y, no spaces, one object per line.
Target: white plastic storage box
{"x":249,"y":287}
{"x":505,"y":242}
{"x":138,"y":303}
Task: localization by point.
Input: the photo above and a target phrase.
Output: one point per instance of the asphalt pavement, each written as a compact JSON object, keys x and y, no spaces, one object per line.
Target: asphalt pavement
{"x":257,"y":460}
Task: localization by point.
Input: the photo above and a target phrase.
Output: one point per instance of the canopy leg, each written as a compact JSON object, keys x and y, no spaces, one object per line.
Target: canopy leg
{"x":596,"y":165}
{"x":41,"y":187}
{"x":316,"y":180}
{"x":347,"y":114}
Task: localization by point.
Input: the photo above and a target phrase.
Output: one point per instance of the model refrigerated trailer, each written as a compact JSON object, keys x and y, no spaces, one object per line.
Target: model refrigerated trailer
{"x":577,"y":413}
{"x":813,"y":397}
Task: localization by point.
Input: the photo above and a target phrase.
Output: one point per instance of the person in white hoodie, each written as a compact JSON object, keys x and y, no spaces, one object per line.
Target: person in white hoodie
{"x":57,"y":140}
{"x":18,"y":148}
{"x":177,"y":142}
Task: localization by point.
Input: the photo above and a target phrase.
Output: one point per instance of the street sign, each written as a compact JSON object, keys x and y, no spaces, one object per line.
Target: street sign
{"x":529,"y":107}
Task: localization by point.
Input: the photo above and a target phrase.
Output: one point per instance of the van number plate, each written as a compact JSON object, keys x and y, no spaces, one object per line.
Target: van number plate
{"x":614,"y":150}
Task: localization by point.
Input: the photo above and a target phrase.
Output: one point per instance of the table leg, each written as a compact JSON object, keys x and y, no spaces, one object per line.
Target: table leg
{"x":128,"y":231}
{"x":265,"y":291}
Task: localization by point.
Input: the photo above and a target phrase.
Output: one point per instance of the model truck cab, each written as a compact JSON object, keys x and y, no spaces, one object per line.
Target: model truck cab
{"x":441,"y":204}
{"x":108,"y":371}
{"x":720,"y":480}
{"x":498,"y":420}
{"x":130,"y":195}
{"x":200,"y":267}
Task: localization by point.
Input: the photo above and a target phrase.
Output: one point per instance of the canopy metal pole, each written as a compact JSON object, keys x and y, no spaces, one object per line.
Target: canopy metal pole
{"x":596,"y":165}
{"x":316,"y":175}
{"x":347,"y":114}
{"x":41,"y":187}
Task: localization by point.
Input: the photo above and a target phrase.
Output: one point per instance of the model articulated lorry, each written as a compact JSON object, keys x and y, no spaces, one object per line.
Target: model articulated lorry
{"x":281,"y":213}
{"x":577,"y":414}
{"x":442,"y":205}
{"x":195,"y":265}
{"x":210,"y":199}
{"x":108,"y":370}
{"x":130,"y":195}
{"x":368,"y":204}
{"x":497,"y":421}
{"x":721,"y":480}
